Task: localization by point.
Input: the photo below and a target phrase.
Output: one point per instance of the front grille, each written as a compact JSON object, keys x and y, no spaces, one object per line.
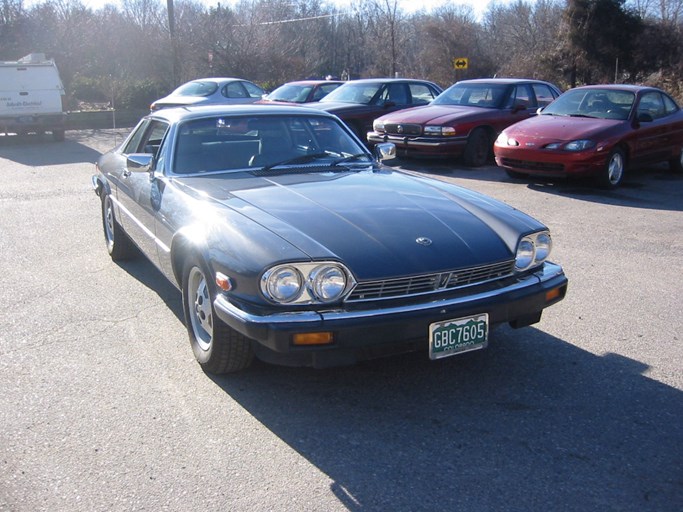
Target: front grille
{"x":403,"y":129}
{"x":532,"y":166}
{"x":430,"y":283}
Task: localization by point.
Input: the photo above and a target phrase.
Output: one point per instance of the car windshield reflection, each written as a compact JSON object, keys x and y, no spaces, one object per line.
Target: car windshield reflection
{"x":244,"y":142}
{"x":473,"y":95}
{"x":353,"y":93}
{"x":291,"y":93}
{"x":593,"y":103}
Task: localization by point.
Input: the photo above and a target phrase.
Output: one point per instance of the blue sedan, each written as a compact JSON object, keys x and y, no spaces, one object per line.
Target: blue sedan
{"x":291,"y":242}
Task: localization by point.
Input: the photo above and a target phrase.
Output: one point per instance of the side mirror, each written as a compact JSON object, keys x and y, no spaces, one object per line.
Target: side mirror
{"x":139,"y":162}
{"x":539,"y":110}
{"x":385,"y":151}
{"x":389,"y":104}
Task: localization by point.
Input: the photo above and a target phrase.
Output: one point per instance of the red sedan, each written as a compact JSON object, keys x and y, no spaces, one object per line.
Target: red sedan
{"x":598,"y":131}
{"x":464,"y":120}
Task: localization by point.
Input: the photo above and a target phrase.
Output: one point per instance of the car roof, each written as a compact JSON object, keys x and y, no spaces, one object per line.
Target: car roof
{"x":503,"y":81}
{"x":219,"y":79}
{"x":619,"y":87}
{"x":313,"y":82}
{"x":177,"y":114}
{"x":387,"y":80}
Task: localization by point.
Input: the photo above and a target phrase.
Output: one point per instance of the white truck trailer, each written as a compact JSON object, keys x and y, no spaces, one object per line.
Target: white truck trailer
{"x":31,"y":97}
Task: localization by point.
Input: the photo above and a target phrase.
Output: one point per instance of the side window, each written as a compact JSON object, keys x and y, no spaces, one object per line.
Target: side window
{"x":134,"y":142}
{"x":234,"y":90}
{"x":153,"y":137}
{"x":669,"y":105}
{"x":521,"y":97}
{"x":544,"y":94}
{"x":324,"y":90}
{"x":651,"y":103}
{"x":421,"y":94}
{"x":398,"y":94}
{"x":253,"y":90}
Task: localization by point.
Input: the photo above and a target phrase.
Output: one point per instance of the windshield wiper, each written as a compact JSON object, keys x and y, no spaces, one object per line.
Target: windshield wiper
{"x":350,"y":158}
{"x":296,"y":160}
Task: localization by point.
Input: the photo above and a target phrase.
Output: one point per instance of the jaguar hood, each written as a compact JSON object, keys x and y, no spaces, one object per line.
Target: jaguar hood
{"x":379,"y":223}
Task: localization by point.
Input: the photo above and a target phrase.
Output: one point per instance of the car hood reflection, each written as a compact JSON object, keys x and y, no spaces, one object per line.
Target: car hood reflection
{"x":370,"y":220}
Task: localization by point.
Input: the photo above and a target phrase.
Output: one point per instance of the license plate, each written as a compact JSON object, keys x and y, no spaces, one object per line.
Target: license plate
{"x":459,"y":335}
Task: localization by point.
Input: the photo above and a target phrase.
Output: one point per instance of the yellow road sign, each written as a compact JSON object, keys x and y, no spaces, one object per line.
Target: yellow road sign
{"x":461,"y":63}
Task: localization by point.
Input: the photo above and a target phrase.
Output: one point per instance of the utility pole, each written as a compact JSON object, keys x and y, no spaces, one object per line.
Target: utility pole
{"x":174,"y":46}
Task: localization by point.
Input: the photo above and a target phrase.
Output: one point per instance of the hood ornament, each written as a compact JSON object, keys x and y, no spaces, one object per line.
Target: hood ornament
{"x":423,"y":240}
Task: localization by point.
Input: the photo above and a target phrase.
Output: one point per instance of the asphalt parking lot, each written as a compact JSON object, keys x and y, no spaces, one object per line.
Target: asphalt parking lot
{"x":103,"y":407}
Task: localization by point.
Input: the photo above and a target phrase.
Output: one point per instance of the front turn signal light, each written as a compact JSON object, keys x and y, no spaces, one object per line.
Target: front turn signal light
{"x":313,"y":338}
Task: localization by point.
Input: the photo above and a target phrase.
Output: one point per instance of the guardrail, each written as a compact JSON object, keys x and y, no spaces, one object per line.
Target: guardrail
{"x":98,"y":119}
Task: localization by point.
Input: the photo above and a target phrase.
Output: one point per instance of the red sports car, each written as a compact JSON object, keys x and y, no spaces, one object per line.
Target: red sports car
{"x":464,"y":120}
{"x":598,"y":131}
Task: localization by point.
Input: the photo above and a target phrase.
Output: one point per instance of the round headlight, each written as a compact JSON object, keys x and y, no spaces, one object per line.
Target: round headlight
{"x":327,"y":283}
{"x":283,"y":284}
{"x":543,"y":245}
{"x":525,"y":254}
{"x":378,"y":125}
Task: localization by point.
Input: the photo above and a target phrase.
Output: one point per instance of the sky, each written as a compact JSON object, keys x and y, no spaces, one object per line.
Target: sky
{"x":479,"y":6}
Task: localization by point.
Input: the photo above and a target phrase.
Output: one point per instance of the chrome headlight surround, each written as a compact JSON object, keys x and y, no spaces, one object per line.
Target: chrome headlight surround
{"x":533,"y":250}
{"x":439,"y":131}
{"x":378,"y":126}
{"x":318,"y":282}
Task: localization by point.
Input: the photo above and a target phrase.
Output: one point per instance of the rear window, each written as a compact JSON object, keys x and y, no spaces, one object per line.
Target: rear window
{"x":197,"y":89}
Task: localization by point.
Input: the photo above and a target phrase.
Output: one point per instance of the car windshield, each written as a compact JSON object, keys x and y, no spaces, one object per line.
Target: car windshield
{"x":204,"y":88}
{"x":291,"y":93}
{"x":473,"y":95}
{"x":597,"y":103}
{"x":264,"y":142}
{"x":361,"y":93}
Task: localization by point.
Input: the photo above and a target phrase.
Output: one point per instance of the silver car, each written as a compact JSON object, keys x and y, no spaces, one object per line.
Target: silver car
{"x":211,"y":91}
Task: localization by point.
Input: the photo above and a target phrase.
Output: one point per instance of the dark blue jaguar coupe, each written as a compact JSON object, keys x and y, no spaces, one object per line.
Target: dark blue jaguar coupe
{"x":290,"y":242}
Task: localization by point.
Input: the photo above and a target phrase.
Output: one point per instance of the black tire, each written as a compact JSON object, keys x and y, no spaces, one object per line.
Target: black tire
{"x":119,"y":246}
{"x":612,"y":174}
{"x":676,"y":164}
{"x":478,"y":148}
{"x":58,"y":135}
{"x":217,"y":348}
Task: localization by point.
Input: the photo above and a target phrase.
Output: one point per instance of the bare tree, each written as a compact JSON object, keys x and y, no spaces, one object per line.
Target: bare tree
{"x":523,"y":35}
{"x":448,"y":33}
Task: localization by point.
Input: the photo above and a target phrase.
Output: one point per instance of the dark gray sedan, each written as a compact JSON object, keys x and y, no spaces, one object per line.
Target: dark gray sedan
{"x":290,"y":242}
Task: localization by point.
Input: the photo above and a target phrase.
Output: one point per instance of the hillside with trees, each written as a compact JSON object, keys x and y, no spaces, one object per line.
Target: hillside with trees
{"x":132,"y":53}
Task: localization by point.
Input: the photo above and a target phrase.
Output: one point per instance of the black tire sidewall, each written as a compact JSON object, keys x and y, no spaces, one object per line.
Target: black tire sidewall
{"x":120,"y":247}
{"x":229,"y":351}
{"x":477,"y":139}
{"x":604,"y":177}
{"x":202,"y":356}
